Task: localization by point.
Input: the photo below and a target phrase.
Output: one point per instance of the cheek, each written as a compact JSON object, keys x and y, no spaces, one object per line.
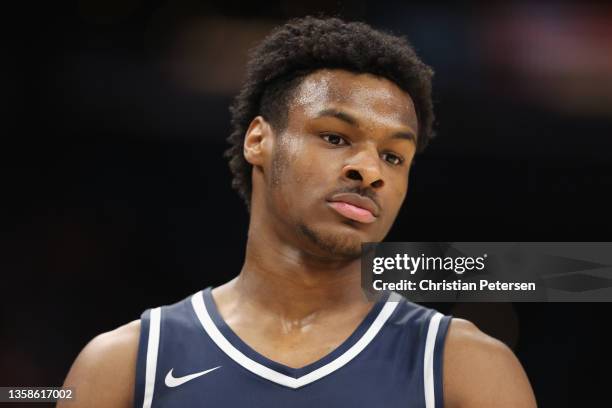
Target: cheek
{"x":305,"y":166}
{"x":293,"y":170}
{"x":283,"y":156}
{"x":398,"y":192}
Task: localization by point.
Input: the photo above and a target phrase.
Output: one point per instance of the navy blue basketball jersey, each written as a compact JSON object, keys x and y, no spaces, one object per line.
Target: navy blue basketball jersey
{"x":189,"y":357}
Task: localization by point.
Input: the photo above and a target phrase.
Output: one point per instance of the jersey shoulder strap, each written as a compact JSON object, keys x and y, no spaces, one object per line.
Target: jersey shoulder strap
{"x":156,"y":324}
{"x":422,"y":332}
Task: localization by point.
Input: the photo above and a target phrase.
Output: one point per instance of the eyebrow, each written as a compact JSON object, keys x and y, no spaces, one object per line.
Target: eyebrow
{"x":345,"y":117}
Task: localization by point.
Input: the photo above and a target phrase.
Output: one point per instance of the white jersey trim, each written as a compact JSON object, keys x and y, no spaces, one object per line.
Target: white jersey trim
{"x":152,"y":351}
{"x":428,"y":367}
{"x":213,"y":332}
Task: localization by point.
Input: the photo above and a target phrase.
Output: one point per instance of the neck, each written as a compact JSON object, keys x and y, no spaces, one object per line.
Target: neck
{"x":287,"y":281}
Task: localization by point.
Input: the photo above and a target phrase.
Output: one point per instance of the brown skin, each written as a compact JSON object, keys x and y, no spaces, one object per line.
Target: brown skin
{"x":298,"y":294}
{"x":301,"y":273}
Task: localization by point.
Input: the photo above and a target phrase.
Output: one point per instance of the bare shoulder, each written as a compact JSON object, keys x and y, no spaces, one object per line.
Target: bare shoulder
{"x":104,"y":372}
{"x":480,"y":371}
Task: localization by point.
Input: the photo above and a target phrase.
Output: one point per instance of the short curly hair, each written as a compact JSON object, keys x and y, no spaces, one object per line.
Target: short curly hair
{"x":301,"y":46}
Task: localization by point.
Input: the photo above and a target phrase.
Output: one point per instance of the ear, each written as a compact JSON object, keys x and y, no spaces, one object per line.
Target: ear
{"x":257,"y":141}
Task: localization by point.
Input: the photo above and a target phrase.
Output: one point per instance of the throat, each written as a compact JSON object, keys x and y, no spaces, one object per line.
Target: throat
{"x":297,"y":344}
{"x":286,"y":339}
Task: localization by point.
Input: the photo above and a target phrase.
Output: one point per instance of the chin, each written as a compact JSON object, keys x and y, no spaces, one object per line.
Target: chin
{"x":338,"y":243}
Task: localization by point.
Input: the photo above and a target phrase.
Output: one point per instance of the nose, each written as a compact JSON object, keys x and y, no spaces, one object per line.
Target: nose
{"x":365,"y":167}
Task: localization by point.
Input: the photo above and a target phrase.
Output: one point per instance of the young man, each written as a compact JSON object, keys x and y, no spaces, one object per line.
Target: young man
{"x":325,"y":131}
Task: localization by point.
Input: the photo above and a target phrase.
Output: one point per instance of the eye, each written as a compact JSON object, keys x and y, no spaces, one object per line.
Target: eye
{"x":334,"y":139}
{"x":392,"y":159}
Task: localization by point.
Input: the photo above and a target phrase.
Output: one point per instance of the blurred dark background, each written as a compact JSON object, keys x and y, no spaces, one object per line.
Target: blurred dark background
{"x":116,"y":198}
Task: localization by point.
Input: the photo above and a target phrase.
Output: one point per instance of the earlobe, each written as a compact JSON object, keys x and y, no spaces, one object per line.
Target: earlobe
{"x":256,"y":141}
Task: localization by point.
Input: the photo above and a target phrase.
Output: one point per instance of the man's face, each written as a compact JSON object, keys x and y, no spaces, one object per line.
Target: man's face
{"x":339,"y":172}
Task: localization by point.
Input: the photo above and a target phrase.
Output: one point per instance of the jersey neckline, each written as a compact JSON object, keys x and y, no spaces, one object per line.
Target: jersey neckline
{"x":232,"y":345}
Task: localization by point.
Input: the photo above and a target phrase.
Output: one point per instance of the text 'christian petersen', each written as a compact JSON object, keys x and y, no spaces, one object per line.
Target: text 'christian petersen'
{"x":458,"y":285}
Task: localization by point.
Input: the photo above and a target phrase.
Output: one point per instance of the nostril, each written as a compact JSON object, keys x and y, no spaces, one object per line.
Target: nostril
{"x":353,"y":175}
{"x":377,"y":184}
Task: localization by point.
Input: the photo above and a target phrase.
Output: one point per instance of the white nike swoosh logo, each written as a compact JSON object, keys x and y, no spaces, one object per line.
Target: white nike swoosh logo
{"x":172,"y":381}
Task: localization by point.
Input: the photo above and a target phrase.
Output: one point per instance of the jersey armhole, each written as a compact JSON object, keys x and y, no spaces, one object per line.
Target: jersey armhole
{"x":142,"y":359}
{"x":439,"y":360}
{"x":146,"y":363}
{"x":433,"y":357}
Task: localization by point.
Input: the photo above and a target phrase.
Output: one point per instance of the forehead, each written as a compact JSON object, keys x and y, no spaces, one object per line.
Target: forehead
{"x":369,"y":96}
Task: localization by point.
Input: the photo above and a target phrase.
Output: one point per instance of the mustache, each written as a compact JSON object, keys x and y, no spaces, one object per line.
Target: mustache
{"x":364,"y":192}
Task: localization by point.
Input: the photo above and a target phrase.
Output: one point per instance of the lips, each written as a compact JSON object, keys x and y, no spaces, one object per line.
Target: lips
{"x":355,"y":207}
